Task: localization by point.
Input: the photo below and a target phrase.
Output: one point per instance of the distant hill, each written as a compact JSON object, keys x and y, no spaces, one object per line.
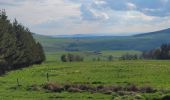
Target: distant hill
{"x":155,"y":34}
{"x":144,"y":41}
{"x":77,"y":35}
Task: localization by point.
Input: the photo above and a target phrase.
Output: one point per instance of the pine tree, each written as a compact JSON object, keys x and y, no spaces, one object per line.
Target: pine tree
{"x":17,"y":46}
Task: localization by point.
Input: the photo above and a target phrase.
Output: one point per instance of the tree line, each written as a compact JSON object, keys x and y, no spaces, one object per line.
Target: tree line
{"x":160,"y":53}
{"x":17,"y":46}
{"x":163,"y":52}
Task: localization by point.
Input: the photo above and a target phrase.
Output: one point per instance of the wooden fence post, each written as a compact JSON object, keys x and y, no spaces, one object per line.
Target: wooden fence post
{"x":18,"y":82}
{"x":47,"y":77}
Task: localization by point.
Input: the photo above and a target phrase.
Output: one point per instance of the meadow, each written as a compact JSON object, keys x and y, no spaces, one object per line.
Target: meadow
{"x":153,"y":73}
{"x":90,"y":55}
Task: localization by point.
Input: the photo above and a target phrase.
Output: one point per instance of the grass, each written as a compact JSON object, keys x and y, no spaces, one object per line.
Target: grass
{"x":153,"y":73}
{"x":90,"y":55}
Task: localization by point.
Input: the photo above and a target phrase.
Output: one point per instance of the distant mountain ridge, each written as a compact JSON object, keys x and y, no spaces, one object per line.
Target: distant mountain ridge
{"x":77,"y":35}
{"x":165,"y":31}
{"x":144,"y":41}
{"x":84,"y":35}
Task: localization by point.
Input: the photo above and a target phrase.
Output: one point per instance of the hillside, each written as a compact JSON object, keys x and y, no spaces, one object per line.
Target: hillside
{"x":156,"y":33}
{"x":144,"y":41}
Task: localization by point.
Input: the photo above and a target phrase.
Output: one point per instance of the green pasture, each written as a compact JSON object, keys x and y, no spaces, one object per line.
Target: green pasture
{"x":154,"y":73}
{"x":90,"y":55}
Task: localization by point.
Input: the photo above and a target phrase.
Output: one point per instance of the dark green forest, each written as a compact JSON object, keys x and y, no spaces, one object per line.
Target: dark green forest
{"x":17,"y":46}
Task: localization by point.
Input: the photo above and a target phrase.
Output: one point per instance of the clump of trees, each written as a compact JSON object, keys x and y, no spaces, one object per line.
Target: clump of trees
{"x":71,"y":58}
{"x":17,"y":46}
{"x":163,"y":52}
{"x":130,"y":57}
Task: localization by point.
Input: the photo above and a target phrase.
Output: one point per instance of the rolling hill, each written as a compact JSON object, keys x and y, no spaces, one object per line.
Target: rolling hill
{"x":144,"y":41}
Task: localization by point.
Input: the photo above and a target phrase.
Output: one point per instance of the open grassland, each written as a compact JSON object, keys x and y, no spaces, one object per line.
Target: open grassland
{"x":90,"y":55}
{"x":154,"y":73}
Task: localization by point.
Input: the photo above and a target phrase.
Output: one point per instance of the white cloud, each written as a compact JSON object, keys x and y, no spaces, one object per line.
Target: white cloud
{"x":134,"y":15}
{"x":131,"y":6}
{"x":100,"y":15}
{"x":86,"y":16}
{"x":99,"y":2}
{"x":32,"y":12}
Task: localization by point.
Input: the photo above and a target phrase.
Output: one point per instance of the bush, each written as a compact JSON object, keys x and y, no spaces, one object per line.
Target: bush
{"x":110,"y":58}
{"x":166,"y":97}
{"x":53,"y":87}
{"x":126,"y":90}
{"x":130,"y":57}
{"x":147,"y":89}
{"x":34,"y":87}
{"x":71,"y":58}
{"x":71,"y":89}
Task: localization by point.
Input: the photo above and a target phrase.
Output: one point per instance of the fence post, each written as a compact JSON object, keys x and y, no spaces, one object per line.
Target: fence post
{"x":18,"y":82}
{"x":47,"y":77}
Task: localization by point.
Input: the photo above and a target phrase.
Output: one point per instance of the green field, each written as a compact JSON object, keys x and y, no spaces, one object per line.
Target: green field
{"x":90,"y":55}
{"x":154,"y":73}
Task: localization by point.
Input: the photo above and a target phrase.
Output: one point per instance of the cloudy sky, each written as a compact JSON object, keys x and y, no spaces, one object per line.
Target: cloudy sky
{"x":117,"y":17}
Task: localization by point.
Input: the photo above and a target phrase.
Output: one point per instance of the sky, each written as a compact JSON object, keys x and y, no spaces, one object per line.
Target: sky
{"x":67,"y":17}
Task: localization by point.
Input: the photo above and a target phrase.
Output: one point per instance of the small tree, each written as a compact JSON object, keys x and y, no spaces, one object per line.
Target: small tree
{"x":98,"y":59}
{"x":130,"y":57}
{"x":64,"y":58}
{"x":110,"y":58}
{"x":71,"y":58}
{"x":94,"y":59}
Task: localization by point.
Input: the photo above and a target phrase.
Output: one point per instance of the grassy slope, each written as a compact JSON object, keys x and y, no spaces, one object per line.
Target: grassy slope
{"x":138,"y":42}
{"x":152,"y":73}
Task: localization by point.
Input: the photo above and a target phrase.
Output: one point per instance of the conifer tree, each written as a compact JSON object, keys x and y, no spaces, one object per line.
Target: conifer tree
{"x":17,"y":46}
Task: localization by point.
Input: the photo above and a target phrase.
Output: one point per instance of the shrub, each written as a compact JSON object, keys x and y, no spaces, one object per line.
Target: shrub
{"x":110,"y":58}
{"x":34,"y":87}
{"x":130,"y":57}
{"x":71,"y":89}
{"x":126,"y":90}
{"x":166,"y":97}
{"x":53,"y":87}
{"x":147,"y":89}
{"x":132,"y":87}
{"x":71,"y":58}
